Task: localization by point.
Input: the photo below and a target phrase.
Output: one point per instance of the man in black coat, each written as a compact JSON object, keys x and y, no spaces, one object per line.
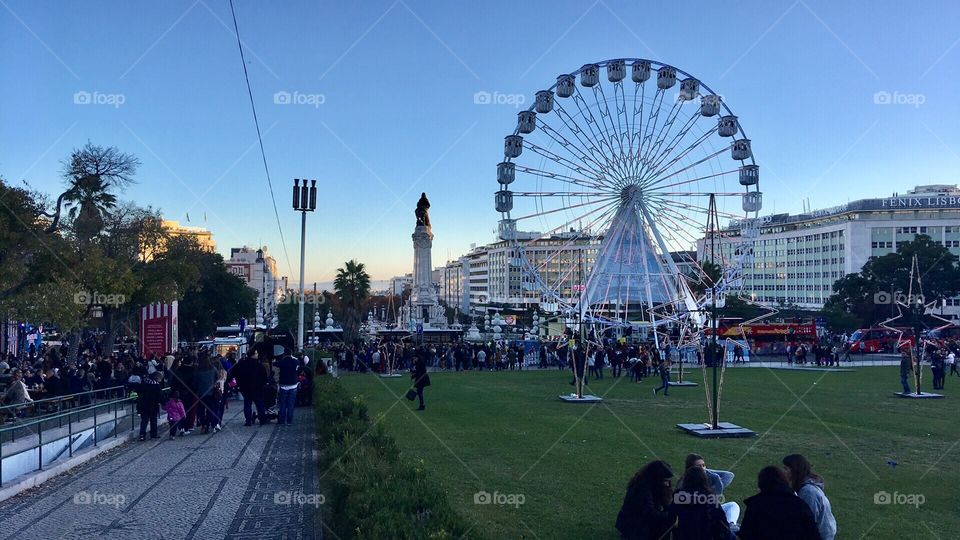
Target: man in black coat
{"x":251,"y":379}
{"x":420,"y":378}
{"x":148,"y":405}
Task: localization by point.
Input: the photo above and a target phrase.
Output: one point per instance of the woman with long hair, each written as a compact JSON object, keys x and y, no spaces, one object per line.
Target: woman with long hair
{"x":809,"y":486}
{"x":645,"y":513}
{"x":697,"y":507}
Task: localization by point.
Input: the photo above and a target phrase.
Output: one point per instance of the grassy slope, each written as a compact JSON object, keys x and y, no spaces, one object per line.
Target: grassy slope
{"x":507,"y":432}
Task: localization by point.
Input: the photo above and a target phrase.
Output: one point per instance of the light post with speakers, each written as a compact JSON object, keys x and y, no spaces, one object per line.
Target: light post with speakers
{"x":304,"y":200}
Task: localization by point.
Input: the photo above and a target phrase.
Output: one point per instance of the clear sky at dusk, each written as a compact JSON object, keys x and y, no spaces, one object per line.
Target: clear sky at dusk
{"x":388,"y":103}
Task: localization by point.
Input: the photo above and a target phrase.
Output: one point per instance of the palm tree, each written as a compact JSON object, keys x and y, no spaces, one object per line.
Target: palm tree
{"x":88,"y":202}
{"x":352,"y":286}
{"x":92,"y":174}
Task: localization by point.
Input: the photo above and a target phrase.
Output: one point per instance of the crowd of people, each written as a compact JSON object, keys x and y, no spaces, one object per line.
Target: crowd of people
{"x":192,"y":385}
{"x":791,"y":504}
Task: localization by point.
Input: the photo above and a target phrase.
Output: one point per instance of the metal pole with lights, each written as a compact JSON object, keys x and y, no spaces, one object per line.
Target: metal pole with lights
{"x":304,"y":200}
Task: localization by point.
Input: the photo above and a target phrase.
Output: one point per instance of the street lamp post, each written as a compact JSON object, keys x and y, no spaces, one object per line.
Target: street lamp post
{"x":304,"y":200}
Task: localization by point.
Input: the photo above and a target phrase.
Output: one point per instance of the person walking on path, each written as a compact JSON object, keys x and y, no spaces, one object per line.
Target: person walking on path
{"x":175,"y":413}
{"x":664,"y":379}
{"x":148,"y":405}
{"x":809,"y":487}
{"x":205,"y":378}
{"x":288,"y":382}
{"x":251,"y":379}
{"x":419,"y":375}
{"x":183,"y":381}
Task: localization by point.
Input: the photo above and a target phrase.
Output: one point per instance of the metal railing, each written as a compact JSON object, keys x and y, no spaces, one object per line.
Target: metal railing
{"x":71,"y":400}
{"x":76,"y":420}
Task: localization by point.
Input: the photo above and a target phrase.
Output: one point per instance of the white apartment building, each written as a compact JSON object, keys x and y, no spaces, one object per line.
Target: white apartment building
{"x":797,"y":258}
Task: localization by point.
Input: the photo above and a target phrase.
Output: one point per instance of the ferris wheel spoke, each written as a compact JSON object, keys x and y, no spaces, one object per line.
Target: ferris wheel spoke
{"x":702,"y":209}
{"x":579,"y":219}
{"x":563,"y":178}
{"x":690,"y":148}
{"x":598,"y":135}
{"x":611,"y":132}
{"x":634,"y":132}
{"x":560,"y":160}
{"x":650,"y":125}
{"x":554,"y":194}
{"x":653,"y":183}
{"x":588,"y":145}
{"x":678,"y":225}
{"x":672,"y":145}
{"x":698,"y":193}
{"x":580,"y":205}
{"x":622,"y":120}
{"x":572,"y":148}
{"x":665,"y":128}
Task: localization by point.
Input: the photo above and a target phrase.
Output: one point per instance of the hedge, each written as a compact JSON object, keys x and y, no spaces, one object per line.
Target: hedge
{"x":371,"y":493}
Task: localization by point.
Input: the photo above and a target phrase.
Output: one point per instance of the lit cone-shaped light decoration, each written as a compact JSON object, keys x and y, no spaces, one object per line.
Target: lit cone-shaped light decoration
{"x":329,"y":320}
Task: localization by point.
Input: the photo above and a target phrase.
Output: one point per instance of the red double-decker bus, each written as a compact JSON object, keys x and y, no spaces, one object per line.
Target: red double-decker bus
{"x":769,"y":338}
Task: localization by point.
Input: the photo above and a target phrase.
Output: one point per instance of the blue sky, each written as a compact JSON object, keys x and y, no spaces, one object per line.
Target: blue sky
{"x":398,"y":117}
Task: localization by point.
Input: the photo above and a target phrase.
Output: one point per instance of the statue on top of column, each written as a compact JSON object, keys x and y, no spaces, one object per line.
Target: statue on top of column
{"x":422,"y":211}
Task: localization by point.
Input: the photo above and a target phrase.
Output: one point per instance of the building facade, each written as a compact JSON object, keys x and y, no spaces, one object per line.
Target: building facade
{"x":259,"y":271}
{"x":203,"y":237}
{"x":797,"y":258}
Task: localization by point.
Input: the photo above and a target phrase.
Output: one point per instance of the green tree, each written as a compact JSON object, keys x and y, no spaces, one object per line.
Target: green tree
{"x":869,"y":295}
{"x":212,"y":296}
{"x":352,"y":286}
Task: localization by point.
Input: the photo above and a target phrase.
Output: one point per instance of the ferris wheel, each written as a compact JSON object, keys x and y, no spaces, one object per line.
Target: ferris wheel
{"x":619,"y":176}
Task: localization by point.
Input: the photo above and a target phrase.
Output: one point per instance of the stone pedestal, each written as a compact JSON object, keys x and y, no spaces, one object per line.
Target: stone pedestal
{"x":424,"y":307}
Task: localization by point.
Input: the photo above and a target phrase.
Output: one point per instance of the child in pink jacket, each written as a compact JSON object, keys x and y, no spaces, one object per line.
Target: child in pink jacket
{"x":175,"y":413}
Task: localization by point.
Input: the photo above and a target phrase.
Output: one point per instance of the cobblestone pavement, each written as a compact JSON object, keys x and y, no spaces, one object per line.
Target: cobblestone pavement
{"x":244,"y":482}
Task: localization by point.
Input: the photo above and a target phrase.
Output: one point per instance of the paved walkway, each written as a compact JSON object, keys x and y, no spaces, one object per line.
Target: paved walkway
{"x":241,"y":483}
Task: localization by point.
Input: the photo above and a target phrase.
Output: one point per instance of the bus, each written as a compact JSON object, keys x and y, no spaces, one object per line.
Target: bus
{"x":769,"y":338}
{"x":875,"y":340}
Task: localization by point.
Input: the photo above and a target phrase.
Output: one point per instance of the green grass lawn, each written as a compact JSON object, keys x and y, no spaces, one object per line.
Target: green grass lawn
{"x":508,"y":433}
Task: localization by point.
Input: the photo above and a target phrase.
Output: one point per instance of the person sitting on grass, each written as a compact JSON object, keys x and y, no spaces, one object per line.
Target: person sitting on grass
{"x":718,"y":481}
{"x":699,"y":516}
{"x":776,"y":512}
{"x":809,"y":487}
{"x":645,"y":513}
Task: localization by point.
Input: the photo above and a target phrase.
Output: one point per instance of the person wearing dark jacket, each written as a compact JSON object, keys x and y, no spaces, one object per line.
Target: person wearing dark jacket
{"x":420,"y":378}
{"x":251,"y":379}
{"x":204,"y":381}
{"x":288,"y":381}
{"x":148,"y":405}
{"x":645,"y":513}
{"x":699,"y":516}
{"x":184,"y":382}
{"x":776,"y":512}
